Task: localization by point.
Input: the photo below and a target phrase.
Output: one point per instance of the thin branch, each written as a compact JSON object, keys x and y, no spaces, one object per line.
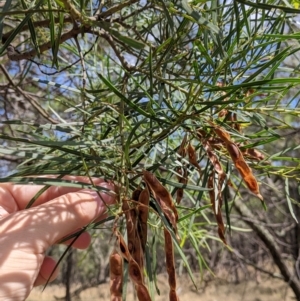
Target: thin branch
{"x":14,"y":55}
{"x":248,"y":262}
{"x":116,"y":8}
{"x":82,"y":63}
{"x":67,"y":67}
{"x":133,"y":13}
{"x":104,"y":34}
{"x":10,"y":158}
{"x":42,"y":23}
{"x":31,"y":100}
{"x":26,"y":11}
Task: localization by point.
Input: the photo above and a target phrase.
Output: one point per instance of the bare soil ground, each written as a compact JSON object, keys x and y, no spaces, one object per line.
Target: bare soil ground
{"x":218,"y":289}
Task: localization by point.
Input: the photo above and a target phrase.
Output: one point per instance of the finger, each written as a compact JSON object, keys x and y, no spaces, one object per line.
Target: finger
{"x":47,"y":268}
{"x":82,"y":242}
{"x":16,"y":197}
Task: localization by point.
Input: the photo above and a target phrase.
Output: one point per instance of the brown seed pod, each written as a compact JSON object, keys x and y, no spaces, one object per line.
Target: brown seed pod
{"x":142,"y":293}
{"x":235,"y":124}
{"x":201,"y":133}
{"x":170,"y":263}
{"x":136,"y":276}
{"x":182,"y":148}
{"x":116,"y":276}
{"x":183,"y":179}
{"x":193,"y":157}
{"x":130,"y":216}
{"x":216,"y":208}
{"x":135,"y":194}
{"x":121,"y":245}
{"x":254,"y":154}
{"x":213,"y":157}
{"x":161,"y":194}
{"x":239,"y":161}
{"x":217,"y":167}
{"x":222,"y":134}
{"x":243,"y":168}
{"x":134,"y":243}
{"x":143,"y":211}
{"x":179,"y":195}
{"x":173,"y":296}
{"x":233,"y":151}
{"x":215,"y":143}
{"x":134,"y":271}
{"x":222,"y":113}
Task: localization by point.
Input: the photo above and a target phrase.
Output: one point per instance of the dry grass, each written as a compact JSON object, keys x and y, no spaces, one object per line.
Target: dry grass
{"x":266,"y":289}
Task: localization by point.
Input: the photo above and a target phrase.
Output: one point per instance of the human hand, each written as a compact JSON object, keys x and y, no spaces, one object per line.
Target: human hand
{"x":25,"y":235}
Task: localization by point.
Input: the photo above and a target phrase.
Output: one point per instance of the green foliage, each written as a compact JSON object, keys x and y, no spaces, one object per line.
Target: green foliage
{"x":142,"y":76}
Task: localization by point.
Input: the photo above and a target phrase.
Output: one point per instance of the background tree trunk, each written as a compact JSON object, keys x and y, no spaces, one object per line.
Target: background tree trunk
{"x":271,"y":244}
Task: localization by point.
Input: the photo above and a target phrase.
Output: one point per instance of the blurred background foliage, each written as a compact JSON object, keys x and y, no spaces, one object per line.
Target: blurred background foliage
{"x":110,"y":88}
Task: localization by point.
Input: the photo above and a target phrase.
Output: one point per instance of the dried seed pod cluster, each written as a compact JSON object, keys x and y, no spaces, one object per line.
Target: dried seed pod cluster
{"x":218,"y":139}
{"x":216,"y":183}
{"x":164,"y":199}
{"x":136,"y":212}
{"x":239,"y":161}
{"x":134,"y":270}
{"x":136,"y":208}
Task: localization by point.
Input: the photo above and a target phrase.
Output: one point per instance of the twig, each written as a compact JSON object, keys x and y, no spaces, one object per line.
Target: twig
{"x":10,"y":158}
{"x":43,"y":23}
{"x":133,"y":13}
{"x":242,"y":258}
{"x":104,"y":34}
{"x":116,"y":8}
{"x":31,"y":100}
{"x":16,"y":56}
{"x":82,"y":63}
{"x":26,"y":11}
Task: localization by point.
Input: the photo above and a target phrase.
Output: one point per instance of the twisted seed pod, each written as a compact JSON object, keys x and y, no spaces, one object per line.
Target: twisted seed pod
{"x":170,"y":263}
{"x":243,"y":168}
{"x":134,"y":243}
{"x":135,"y":194}
{"x":116,"y":276}
{"x":216,"y":208}
{"x":143,"y":211}
{"x":217,"y":167}
{"x":142,"y":293}
{"x":254,"y":154}
{"x":183,"y":176}
{"x":173,"y":296}
{"x":122,"y":247}
{"x":130,"y":223}
{"x":239,"y":161}
{"x":234,"y":121}
{"x":159,"y":191}
{"x":193,"y":157}
{"x":222,"y":134}
{"x":182,"y":148}
{"x":200,"y":133}
{"x":183,"y":179}
{"x":213,"y":157}
{"x":134,"y":270}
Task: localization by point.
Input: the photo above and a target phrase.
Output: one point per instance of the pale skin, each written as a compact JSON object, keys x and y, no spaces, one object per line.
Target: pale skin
{"x":26,"y":234}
